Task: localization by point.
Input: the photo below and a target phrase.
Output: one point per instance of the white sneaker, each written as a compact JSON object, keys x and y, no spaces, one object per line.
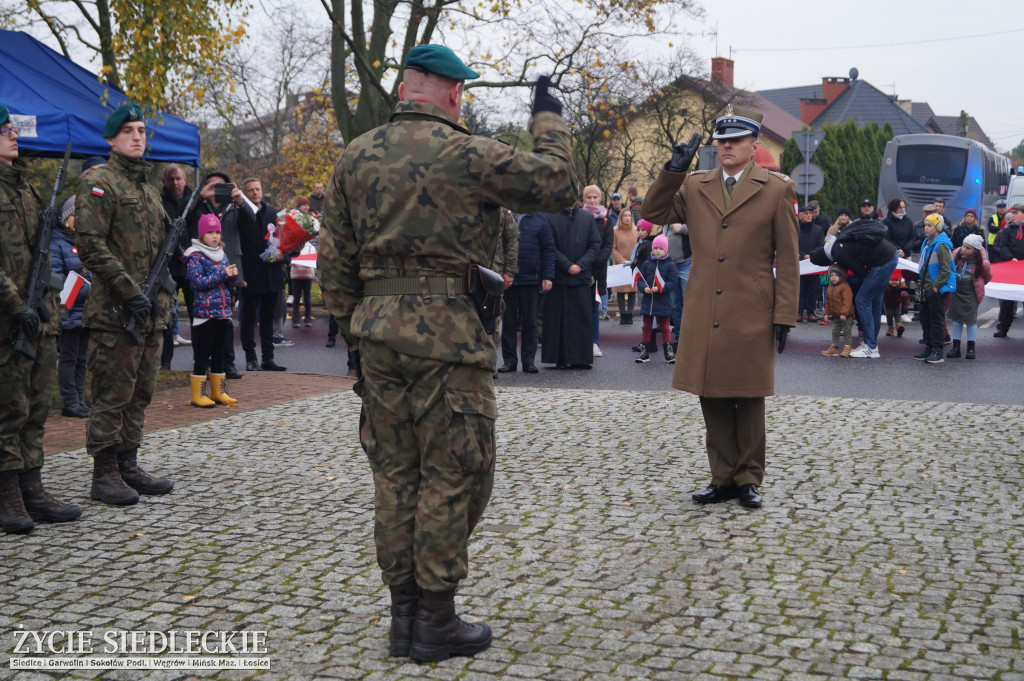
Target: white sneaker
{"x":861,"y":351}
{"x":597,"y":351}
{"x":874,"y":354}
{"x":289,"y":300}
{"x":179,"y":341}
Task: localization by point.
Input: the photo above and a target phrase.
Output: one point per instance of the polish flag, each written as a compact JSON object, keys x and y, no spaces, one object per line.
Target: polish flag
{"x":659,"y":281}
{"x":72,"y":285}
{"x":96,"y":191}
{"x":637,"y":278}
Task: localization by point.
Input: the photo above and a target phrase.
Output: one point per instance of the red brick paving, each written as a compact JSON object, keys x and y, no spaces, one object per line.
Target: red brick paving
{"x":171,"y":409}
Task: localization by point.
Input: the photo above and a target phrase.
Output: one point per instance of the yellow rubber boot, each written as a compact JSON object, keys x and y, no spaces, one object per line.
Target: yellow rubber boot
{"x":217,"y":391}
{"x":198,"y":398}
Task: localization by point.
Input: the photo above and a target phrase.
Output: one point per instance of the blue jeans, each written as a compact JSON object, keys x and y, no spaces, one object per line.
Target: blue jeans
{"x":677,"y":298}
{"x":869,"y":299}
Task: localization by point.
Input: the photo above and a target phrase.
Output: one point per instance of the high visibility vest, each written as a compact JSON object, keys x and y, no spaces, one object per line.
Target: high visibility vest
{"x":993,"y":228}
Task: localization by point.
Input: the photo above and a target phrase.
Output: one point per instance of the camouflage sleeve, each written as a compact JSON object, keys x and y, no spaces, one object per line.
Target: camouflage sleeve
{"x":510,"y":237}
{"x":93,"y":214}
{"x":543,"y":180}
{"x":10,"y":300}
{"x":337,"y":262}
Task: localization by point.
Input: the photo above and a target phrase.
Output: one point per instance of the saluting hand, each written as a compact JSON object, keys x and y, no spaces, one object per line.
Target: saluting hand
{"x":682,"y":155}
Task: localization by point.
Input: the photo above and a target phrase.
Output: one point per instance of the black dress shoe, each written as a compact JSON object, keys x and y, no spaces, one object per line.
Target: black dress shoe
{"x":252,"y":365}
{"x":749,"y":496}
{"x":231,"y":373}
{"x":330,"y":342}
{"x":75,"y":412}
{"x":530,"y":369}
{"x":164,"y":366}
{"x":507,"y":368}
{"x":715,"y":494}
{"x":269,"y":365}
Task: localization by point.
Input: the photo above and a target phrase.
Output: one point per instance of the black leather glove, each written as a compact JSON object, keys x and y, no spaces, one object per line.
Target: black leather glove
{"x":544,"y":100}
{"x":138,"y":307}
{"x":781,"y":333}
{"x":682,"y":155}
{"x":28,"y":322}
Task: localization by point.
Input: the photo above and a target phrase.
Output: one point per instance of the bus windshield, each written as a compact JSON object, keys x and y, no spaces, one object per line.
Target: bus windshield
{"x":931,"y":165}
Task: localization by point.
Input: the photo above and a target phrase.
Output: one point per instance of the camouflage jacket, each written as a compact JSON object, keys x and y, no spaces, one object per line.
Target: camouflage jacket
{"x":506,"y":256}
{"x":20,"y":211}
{"x":420,"y":196}
{"x":119,"y":218}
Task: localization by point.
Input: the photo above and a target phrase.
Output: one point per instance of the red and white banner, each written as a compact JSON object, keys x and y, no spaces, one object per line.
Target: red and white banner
{"x":1007,"y":281}
{"x":308,"y":260}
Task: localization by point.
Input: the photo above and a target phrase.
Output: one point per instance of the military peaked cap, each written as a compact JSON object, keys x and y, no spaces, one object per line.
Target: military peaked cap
{"x":735,"y":121}
{"x":5,"y":115}
{"x":126,"y":113}
{"x":440,"y":60}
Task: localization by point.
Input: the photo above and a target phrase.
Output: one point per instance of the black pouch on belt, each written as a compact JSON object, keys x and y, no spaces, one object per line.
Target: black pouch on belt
{"x":485,"y":288}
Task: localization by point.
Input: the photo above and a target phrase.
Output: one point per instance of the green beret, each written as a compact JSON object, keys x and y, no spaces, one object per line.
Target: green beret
{"x":5,"y":115}
{"x":126,"y":113}
{"x":440,"y":60}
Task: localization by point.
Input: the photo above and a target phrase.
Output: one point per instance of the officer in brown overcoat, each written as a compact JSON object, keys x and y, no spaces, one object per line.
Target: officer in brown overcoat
{"x":742,"y":222}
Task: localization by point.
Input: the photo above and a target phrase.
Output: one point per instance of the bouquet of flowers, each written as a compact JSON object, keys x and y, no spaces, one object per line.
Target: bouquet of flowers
{"x":271,"y":253}
{"x":294,"y":229}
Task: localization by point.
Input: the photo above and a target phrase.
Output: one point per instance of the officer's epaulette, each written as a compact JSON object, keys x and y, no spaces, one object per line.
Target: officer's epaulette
{"x":698,"y":172}
{"x":781,"y":176}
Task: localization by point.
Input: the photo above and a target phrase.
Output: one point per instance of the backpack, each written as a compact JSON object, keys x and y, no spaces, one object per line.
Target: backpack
{"x":870,"y":232}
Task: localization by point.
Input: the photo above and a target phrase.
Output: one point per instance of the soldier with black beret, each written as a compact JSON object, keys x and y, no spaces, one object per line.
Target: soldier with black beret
{"x":120,"y":220}
{"x":410,"y":207}
{"x":27,"y":382}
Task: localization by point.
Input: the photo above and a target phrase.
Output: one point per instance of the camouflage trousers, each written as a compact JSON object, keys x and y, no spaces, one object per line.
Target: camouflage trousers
{"x":25,"y":402}
{"x":428,"y":430}
{"x":123,"y":379}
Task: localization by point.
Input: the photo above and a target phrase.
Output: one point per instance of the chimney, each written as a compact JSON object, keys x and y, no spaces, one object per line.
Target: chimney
{"x":812,"y":108}
{"x":833,"y":87}
{"x":721,"y":71}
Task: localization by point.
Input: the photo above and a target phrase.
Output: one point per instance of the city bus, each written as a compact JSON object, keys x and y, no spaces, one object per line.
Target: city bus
{"x":924,"y":167}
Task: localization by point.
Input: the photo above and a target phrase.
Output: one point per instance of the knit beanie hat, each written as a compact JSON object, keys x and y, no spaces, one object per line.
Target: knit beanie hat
{"x":660,"y":241}
{"x":935,"y":220}
{"x":971,"y":211}
{"x":645,"y":225}
{"x":67,"y":209}
{"x":974,"y":241}
{"x":835,"y":270}
{"x":208,"y":223}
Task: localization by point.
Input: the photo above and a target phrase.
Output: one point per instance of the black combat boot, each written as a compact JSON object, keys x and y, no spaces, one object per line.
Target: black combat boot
{"x":404,"y":598}
{"x":40,"y":504}
{"x":138,"y":479}
{"x":14,"y":518}
{"x":670,"y":355}
{"x":107,"y":485}
{"x":439,"y":633}
{"x":970,"y":350}
{"x":954,"y":352}
{"x":645,"y":355}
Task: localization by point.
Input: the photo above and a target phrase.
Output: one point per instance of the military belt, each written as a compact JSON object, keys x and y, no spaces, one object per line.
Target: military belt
{"x":425,"y":286}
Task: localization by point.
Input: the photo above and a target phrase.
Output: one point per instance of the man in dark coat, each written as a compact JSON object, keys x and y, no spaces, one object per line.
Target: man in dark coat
{"x":175,"y":195}
{"x":568,"y":311}
{"x":811,"y":237}
{"x":536,"y":273}
{"x":899,"y":227}
{"x":1009,"y":246}
{"x":742,"y":222}
{"x":264,"y":279}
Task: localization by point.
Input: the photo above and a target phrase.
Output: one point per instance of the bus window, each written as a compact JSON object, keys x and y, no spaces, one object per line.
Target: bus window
{"x":931,"y":165}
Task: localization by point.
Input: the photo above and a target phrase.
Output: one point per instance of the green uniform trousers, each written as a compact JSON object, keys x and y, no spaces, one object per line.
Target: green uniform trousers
{"x":427,"y":427}
{"x":736,"y":439}
{"x":25,"y":387}
{"x":123,"y":379}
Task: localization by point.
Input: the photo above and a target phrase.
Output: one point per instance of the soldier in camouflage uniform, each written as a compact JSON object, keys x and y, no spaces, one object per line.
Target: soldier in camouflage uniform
{"x":120,"y":220}
{"x":27,"y":383}
{"x":410,"y":207}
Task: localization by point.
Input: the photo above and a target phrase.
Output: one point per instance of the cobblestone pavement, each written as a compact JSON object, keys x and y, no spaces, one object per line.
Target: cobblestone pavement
{"x":890,"y":546}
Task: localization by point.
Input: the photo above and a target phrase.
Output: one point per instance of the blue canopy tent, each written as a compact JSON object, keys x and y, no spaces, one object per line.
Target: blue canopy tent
{"x":55,"y":100}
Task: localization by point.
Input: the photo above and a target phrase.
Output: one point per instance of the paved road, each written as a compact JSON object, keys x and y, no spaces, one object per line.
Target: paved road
{"x":996,"y":376}
{"x":890,"y":546}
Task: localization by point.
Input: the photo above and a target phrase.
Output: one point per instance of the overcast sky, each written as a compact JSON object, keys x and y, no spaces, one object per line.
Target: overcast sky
{"x":952,"y":54}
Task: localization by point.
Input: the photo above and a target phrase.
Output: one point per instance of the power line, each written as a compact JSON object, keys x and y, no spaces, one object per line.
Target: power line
{"x":863,"y":47}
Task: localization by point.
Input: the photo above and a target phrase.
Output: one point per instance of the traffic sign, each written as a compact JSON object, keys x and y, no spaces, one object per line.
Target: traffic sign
{"x":807,"y":142}
{"x":809,"y":179}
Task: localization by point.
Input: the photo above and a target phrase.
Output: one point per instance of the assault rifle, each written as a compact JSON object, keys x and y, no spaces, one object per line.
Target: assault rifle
{"x":39,"y":272}
{"x":158,"y":272}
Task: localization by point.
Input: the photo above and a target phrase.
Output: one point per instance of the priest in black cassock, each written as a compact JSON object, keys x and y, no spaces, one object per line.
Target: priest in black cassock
{"x":568,"y":310}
